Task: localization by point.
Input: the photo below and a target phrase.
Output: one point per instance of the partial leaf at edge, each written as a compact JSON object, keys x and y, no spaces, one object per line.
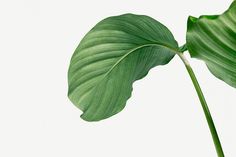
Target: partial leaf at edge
{"x":115,"y":53}
{"x":213,"y":40}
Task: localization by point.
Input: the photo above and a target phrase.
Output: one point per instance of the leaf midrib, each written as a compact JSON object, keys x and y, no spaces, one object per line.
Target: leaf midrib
{"x":130,"y":52}
{"x":135,"y":49}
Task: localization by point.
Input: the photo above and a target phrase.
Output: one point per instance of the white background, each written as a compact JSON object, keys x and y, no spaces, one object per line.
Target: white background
{"x":163,"y":118}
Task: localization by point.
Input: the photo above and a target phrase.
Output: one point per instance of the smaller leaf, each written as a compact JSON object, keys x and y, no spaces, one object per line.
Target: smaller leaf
{"x":213,"y":40}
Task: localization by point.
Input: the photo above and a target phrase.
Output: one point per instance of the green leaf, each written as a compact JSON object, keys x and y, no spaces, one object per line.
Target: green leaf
{"x":115,"y":53}
{"x":213,"y":40}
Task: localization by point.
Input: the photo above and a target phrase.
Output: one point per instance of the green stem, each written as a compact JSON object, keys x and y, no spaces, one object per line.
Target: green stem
{"x":206,"y":110}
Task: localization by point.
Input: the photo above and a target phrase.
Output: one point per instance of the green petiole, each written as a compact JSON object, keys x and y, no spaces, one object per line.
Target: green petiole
{"x":205,"y":108}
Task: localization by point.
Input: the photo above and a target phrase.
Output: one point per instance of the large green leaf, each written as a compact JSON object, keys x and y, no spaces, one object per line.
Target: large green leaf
{"x":115,"y":53}
{"x":213,"y":40}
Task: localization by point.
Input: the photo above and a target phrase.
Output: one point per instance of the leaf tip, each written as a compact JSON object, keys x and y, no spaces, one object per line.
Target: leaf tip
{"x":87,"y":119}
{"x":192,"y":19}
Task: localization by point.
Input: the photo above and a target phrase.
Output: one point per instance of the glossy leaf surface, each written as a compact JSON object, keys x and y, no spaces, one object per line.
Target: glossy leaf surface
{"x":115,"y":53}
{"x":213,"y":40}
